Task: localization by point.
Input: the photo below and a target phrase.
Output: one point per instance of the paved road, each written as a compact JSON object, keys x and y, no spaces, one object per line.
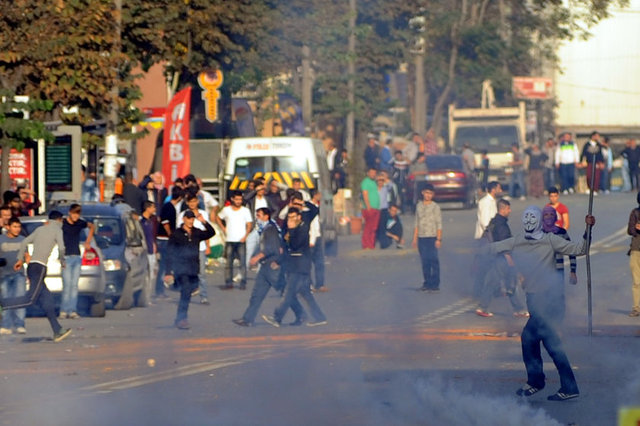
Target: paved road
{"x":389,"y":355}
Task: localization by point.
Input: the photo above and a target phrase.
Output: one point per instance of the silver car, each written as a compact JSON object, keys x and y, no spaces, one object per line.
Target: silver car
{"x":91,"y":285}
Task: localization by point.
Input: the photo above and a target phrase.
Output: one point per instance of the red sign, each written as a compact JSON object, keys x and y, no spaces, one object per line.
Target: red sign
{"x":176,"y":160}
{"x":532,"y":87}
{"x":21,"y":168}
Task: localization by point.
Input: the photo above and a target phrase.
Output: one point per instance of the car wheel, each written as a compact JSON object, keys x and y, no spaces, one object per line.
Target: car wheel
{"x":97,"y":308}
{"x":125,"y":301}
{"x":143,"y":297}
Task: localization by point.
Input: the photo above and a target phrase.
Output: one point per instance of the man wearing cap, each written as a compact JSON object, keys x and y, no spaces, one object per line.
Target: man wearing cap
{"x":427,"y":236}
{"x":183,"y":260}
{"x":43,"y":239}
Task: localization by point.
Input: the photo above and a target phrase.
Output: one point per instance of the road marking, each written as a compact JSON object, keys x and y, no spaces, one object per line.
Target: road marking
{"x":454,"y":309}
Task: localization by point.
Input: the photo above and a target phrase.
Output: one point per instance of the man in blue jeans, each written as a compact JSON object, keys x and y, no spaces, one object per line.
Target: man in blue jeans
{"x":12,"y":282}
{"x":72,"y":228}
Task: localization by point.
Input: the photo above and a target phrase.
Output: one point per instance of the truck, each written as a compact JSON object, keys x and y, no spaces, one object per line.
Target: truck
{"x":489,"y":128}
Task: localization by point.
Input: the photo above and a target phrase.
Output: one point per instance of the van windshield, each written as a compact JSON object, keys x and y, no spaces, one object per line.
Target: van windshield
{"x":491,"y":138}
{"x":247,"y":167}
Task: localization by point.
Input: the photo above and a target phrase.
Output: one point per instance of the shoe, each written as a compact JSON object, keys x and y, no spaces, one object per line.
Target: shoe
{"x":237,"y":278}
{"x":399,"y":246}
{"x":183,"y":324}
{"x":523,"y":314}
{"x":634,"y":313}
{"x":482,"y":313}
{"x":21,"y":330}
{"x":316,"y":323}
{"x":565,"y":192}
{"x":241,"y":322}
{"x":63,"y":315}
{"x":571,"y":191}
{"x":522,"y":198}
{"x":162,"y":296}
{"x":298,"y":322}
{"x":561,"y":396}
{"x":5,"y":331}
{"x":204,"y":301}
{"x":322,"y":289}
{"x":227,"y":287}
{"x":425,"y":289}
{"x":271,"y":320}
{"x":61,"y":335}
{"x":74,"y":315}
{"x":195,"y":292}
{"x":242,"y":287}
{"x":528,"y":390}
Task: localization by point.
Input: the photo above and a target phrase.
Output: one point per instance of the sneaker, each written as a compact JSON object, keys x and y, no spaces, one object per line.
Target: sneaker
{"x":322,"y":289}
{"x":183,"y":324}
{"x":5,"y":331}
{"x":316,"y":323}
{"x":61,"y":335}
{"x":571,"y":191}
{"x":634,"y":313}
{"x":241,"y":322}
{"x":522,"y":198}
{"x":482,"y":313}
{"x":565,"y":192}
{"x":204,"y":301}
{"x":522,"y":314}
{"x":298,"y":322}
{"x":74,"y":315}
{"x":271,"y":320}
{"x":63,"y":315}
{"x":195,"y":292}
{"x":527,"y":390}
{"x":21,"y":330}
{"x":227,"y":287}
{"x":561,"y":396}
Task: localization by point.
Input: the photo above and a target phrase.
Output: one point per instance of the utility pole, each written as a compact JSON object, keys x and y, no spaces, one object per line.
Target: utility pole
{"x":351,"y":84}
{"x":306,"y":89}
{"x":418,"y":24}
{"x":111,"y":139}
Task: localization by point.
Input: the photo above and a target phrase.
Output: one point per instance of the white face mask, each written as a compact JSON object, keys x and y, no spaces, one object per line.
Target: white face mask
{"x":532,"y":223}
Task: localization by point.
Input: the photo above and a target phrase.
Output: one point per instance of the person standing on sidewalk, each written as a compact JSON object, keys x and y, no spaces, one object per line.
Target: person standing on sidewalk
{"x":427,"y":236}
{"x":12,"y":283}
{"x":567,"y":157}
{"x":370,"y":209}
{"x":43,"y":239}
{"x":633,"y":229}
{"x":238,"y":226}
{"x":72,"y":227}
{"x":183,"y":261}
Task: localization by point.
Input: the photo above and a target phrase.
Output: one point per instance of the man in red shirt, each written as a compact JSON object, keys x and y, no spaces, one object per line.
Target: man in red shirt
{"x":561,"y":209}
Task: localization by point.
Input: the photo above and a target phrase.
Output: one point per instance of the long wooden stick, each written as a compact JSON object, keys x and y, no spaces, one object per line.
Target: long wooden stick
{"x":588,"y":259}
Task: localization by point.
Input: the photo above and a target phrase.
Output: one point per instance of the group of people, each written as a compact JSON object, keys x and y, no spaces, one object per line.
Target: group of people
{"x":529,"y":262}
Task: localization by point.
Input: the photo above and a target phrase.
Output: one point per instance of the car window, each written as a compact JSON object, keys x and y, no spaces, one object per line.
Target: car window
{"x":444,"y":162}
{"x":107,"y":230}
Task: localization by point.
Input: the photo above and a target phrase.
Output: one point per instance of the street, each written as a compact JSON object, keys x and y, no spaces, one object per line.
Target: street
{"x":389,"y":354}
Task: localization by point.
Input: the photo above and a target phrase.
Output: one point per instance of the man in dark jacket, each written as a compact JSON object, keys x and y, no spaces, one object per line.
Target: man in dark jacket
{"x":502,"y":273}
{"x":298,"y":266}
{"x":268,"y":257}
{"x":183,"y":261}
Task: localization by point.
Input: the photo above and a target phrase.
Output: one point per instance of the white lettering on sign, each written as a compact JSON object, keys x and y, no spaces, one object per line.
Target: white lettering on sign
{"x":259,"y":146}
{"x":175,"y":152}
{"x":176,"y":132}
{"x":178,"y":112}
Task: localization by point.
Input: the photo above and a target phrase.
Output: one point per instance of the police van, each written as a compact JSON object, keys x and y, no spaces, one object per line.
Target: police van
{"x":283,"y":159}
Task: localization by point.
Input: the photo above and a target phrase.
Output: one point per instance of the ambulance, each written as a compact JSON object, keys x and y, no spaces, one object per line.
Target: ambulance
{"x":283,"y":159}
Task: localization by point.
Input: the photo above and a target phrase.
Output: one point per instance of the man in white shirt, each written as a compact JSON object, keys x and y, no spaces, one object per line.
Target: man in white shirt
{"x":487,"y":209}
{"x":238,"y":226}
{"x":192,"y":201}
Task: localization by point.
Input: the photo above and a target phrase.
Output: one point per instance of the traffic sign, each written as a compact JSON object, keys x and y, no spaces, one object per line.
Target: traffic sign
{"x":532,"y":87}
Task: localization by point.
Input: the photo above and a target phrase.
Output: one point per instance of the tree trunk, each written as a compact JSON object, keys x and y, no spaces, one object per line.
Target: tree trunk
{"x":4,"y":160}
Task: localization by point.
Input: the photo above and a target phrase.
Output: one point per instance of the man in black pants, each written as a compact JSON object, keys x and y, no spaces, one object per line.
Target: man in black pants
{"x":268,"y":257}
{"x":183,"y":261}
{"x":44,"y":240}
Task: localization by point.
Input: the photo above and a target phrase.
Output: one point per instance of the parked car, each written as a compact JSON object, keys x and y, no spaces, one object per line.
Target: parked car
{"x":451,"y":179}
{"x":120,"y":237}
{"x":91,"y":285}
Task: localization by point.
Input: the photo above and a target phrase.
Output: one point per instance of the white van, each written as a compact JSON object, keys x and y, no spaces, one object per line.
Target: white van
{"x":282,"y":159}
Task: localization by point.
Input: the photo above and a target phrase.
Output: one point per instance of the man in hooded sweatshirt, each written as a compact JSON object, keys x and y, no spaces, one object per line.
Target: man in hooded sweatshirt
{"x":534,"y":255}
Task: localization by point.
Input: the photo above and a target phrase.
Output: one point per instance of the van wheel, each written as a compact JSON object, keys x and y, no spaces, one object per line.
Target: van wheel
{"x":97,"y":308}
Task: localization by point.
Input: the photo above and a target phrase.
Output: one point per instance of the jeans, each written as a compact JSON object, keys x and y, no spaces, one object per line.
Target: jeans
{"x":517,"y":178}
{"x":567,"y":176}
{"x":13,"y":285}
{"x":235,"y":251}
{"x":317,"y":258}
{"x":298,"y":283}
{"x":162,"y":268}
{"x":430,"y":263}
{"x":542,"y":328}
{"x":70,"y":277}
{"x":38,"y":295}
{"x":267,"y":277}
{"x":202,"y":274}
{"x":186,"y":284}
{"x":371,"y":218}
{"x":549,"y":177}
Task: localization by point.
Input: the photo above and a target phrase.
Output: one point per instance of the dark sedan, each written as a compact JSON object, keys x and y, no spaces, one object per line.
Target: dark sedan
{"x":452,"y":181}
